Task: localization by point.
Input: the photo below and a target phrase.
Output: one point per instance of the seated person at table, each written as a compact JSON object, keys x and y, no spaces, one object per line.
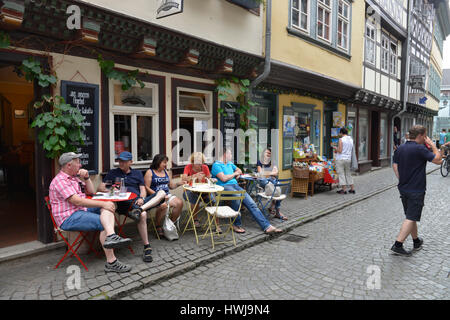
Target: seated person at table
{"x":157,"y":178}
{"x":135,"y":209}
{"x":226,"y":173}
{"x":74,"y":212}
{"x":269,"y":174}
{"x":198,"y":170}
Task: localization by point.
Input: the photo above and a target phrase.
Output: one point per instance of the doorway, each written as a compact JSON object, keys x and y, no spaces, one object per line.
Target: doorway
{"x":375,"y":138}
{"x":17,"y":160}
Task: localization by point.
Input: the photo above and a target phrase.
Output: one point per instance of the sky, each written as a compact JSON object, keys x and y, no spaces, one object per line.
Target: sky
{"x":446,"y":62}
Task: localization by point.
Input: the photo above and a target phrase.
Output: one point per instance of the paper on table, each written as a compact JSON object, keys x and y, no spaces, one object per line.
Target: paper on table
{"x":106,"y":196}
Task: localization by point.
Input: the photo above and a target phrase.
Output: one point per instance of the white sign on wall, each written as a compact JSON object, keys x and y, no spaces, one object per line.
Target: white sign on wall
{"x":168,"y":8}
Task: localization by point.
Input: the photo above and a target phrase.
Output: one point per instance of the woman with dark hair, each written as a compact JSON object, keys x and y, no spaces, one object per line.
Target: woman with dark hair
{"x":157,"y":178}
{"x":343,"y":161}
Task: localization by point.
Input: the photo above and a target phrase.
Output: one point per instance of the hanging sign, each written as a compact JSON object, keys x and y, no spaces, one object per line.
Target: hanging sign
{"x":169,"y":7}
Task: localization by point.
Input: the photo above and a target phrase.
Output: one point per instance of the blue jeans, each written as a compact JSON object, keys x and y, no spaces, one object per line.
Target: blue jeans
{"x":263,"y":182}
{"x":250,"y":205}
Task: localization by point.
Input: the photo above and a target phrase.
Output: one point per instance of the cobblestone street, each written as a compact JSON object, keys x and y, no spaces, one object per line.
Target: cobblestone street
{"x":335,"y":260}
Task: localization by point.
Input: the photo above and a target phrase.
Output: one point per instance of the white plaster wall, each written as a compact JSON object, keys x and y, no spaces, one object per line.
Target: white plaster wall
{"x":215,"y":20}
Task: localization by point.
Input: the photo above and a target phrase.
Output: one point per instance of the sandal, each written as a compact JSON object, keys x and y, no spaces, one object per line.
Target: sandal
{"x":273,"y":231}
{"x":147,"y":255}
{"x":218,"y":230}
{"x":238,"y":229}
{"x":116,"y":266}
{"x":160,"y":231}
{"x":280,"y":216}
{"x":341,"y":192}
{"x":196,"y":223}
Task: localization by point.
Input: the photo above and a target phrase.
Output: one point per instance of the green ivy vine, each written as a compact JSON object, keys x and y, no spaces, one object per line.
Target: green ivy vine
{"x":127,"y":79}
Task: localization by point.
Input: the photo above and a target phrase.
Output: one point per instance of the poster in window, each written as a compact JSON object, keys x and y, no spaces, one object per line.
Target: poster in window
{"x":338,"y":119}
{"x":288,"y":125}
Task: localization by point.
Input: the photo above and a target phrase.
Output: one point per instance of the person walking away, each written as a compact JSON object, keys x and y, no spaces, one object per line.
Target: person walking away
{"x":410,"y":161}
{"x":343,"y":161}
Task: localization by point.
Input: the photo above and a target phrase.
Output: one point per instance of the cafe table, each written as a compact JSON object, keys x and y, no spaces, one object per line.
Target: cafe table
{"x":200,"y":189}
{"x":105,"y":196}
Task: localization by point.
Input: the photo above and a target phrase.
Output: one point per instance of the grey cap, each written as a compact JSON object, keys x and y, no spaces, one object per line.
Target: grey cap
{"x":67,"y":157}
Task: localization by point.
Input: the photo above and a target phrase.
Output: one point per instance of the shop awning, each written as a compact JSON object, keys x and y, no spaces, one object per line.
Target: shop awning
{"x":289,"y":76}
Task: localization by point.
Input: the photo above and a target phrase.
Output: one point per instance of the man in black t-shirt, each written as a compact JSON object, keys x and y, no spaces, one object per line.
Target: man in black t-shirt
{"x":410,"y":162}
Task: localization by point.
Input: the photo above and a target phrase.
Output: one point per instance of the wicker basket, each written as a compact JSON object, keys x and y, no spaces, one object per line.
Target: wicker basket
{"x":300,"y":186}
{"x":300,"y":173}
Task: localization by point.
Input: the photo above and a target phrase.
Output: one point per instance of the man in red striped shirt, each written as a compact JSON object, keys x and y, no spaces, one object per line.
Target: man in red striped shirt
{"x":74,"y":212}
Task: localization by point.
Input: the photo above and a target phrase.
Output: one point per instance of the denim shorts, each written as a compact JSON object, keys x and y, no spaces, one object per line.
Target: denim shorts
{"x":412,"y":205}
{"x":83,"y":221}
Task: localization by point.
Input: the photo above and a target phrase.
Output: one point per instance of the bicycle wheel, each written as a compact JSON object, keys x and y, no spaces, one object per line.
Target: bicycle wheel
{"x":444,"y":168}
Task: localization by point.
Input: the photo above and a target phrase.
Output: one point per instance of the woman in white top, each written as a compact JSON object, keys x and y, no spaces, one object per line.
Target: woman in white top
{"x":343,"y":161}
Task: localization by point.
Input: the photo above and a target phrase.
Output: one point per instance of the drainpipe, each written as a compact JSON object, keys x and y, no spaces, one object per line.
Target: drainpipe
{"x":405,"y":86}
{"x":266,"y":72}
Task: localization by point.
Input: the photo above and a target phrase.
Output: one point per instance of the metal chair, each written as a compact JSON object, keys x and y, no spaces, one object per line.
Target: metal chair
{"x":224,"y":212}
{"x":82,"y":236}
{"x":264,"y":200}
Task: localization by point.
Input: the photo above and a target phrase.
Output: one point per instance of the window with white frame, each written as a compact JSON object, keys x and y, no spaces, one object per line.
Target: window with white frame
{"x":384,"y":53}
{"x":393,"y":59}
{"x":324,"y":12}
{"x":343,"y":24}
{"x":300,"y":14}
{"x":134,"y":123}
{"x":370,"y":46}
{"x":195,"y":116}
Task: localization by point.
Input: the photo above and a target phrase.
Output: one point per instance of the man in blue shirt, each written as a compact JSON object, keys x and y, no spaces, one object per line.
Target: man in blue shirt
{"x":226,"y":173}
{"x":442,"y":137}
{"x":134,"y":181}
{"x":410,"y":161}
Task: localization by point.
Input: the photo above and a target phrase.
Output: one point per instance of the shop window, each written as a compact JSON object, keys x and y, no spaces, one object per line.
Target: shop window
{"x":383,"y":136}
{"x":351,"y":122}
{"x":194,"y":115}
{"x":363,"y":149}
{"x":134,"y":118}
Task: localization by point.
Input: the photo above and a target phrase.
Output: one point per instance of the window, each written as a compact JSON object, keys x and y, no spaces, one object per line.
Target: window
{"x":300,"y":14}
{"x":351,"y":122}
{"x":343,"y":24}
{"x":134,"y":115}
{"x":383,"y":135}
{"x":384,"y":53}
{"x":363,"y":150}
{"x":370,"y":46}
{"x":194,"y":115}
{"x":393,"y":61}
{"x":324,"y":20}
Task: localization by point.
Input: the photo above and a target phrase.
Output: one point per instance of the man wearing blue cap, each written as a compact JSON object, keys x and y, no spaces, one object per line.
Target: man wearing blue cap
{"x":134,"y":182}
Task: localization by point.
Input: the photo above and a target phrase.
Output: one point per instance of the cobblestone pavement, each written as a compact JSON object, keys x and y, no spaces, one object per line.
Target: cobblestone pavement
{"x":34,"y":277}
{"x":340,"y":253}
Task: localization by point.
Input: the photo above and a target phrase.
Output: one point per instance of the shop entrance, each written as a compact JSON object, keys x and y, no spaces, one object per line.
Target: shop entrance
{"x":17,"y":160}
{"x":375,"y":138}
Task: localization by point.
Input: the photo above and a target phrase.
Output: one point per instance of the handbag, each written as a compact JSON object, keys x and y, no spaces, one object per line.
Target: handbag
{"x":354,"y":162}
{"x":270,"y":190}
{"x":169,"y":228}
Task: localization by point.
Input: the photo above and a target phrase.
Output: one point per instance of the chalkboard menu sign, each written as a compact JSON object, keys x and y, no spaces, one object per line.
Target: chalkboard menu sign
{"x":229,"y":122}
{"x":85,"y":97}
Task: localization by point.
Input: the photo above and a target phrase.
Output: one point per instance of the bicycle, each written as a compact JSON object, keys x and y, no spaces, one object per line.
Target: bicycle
{"x":445,"y":165}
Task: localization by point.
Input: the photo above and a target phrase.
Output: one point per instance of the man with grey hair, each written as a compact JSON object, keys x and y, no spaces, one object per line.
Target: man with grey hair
{"x":410,"y":161}
{"x":74,"y":212}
